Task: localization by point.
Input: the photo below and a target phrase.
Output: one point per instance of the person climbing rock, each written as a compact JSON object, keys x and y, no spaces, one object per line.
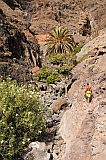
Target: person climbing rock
{"x":88,"y":92}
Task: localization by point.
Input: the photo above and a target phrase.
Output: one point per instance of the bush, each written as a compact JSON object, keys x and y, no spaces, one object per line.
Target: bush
{"x":43,"y":74}
{"x":64,"y":70}
{"x":54,"y":76}
{"x":57,"y":59}
{"x":48,"y":75}
{"x":63,"y":63}
{"x":21,"y":118}
{"x":61,"y":59}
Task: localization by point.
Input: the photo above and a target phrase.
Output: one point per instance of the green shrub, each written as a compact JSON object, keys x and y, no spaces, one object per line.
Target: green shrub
{"x":54,"y":76}
{"x":50,"y":79}
{"x":64,"y":70}
{"x":21,"y":118}
{"x":62,"y":62}
{"x":48,"y":74}
{"x":57,"y":59}
{"x":61,"y":59}
{"x":43,"y":74}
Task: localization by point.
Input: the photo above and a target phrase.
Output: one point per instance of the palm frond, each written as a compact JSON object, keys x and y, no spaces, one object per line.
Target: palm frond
{"x":59,"y":41}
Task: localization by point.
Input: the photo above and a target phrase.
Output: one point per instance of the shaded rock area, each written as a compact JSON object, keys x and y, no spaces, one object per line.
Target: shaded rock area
{"x":19,"y":52}
{"x":82,"y":17}
{"x":19,"y":72}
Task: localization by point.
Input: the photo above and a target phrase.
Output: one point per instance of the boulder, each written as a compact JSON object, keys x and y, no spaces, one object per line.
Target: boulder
{"x":35,"y":70}
{"x":38,"y":152}
{"x":59,"y":104}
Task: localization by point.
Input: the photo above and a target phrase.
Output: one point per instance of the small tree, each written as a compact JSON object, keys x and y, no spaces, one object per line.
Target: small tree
{"x":59,"y":41}
{"x":21,"y":118}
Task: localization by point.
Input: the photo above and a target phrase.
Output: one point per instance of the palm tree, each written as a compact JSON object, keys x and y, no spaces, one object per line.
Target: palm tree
{"x":59,"y":41}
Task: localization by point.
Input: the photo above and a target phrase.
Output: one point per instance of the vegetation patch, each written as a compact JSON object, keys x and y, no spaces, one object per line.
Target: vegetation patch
{"x":57,"y":59}
{"x":60,"y":57}
{"x":59,"y":65}
{"x":22,"y":118}
{"x":48,"y":74}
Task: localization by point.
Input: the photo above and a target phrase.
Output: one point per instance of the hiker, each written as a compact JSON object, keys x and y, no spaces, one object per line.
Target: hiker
{"x":88,"y":92}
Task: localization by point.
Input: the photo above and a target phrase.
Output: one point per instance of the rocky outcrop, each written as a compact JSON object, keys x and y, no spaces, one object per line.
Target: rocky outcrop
{"x":82,"y":16}
{"x":14,"y":41}
{"x":83,"y":127}
{"x":96,"y":46}
{"x":58,"y":104}
{"x":17,"y":71}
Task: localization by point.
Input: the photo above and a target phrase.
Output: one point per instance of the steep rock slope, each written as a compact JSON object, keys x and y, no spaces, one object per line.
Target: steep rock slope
{"x":83,"y":127}
{"x":18,"y":51}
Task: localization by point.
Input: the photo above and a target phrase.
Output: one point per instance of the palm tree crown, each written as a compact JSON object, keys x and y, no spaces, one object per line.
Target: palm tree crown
{"x":59,"y":41}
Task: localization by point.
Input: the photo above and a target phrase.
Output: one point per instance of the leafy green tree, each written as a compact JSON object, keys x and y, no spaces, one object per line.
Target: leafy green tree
{"x":59,"y":41}
{"x":22,"y":118}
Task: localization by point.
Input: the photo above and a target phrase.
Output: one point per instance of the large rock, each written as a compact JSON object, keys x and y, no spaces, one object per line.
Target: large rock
{"x":58,"y":104}
{"x":38,"y":152}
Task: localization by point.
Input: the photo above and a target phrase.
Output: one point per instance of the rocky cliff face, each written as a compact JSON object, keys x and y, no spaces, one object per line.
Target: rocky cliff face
{"x":16,"y":47}
{"x":80,"y":16}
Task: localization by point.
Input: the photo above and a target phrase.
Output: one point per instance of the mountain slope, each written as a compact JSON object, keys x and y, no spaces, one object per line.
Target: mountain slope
{"x":71,"y":13}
